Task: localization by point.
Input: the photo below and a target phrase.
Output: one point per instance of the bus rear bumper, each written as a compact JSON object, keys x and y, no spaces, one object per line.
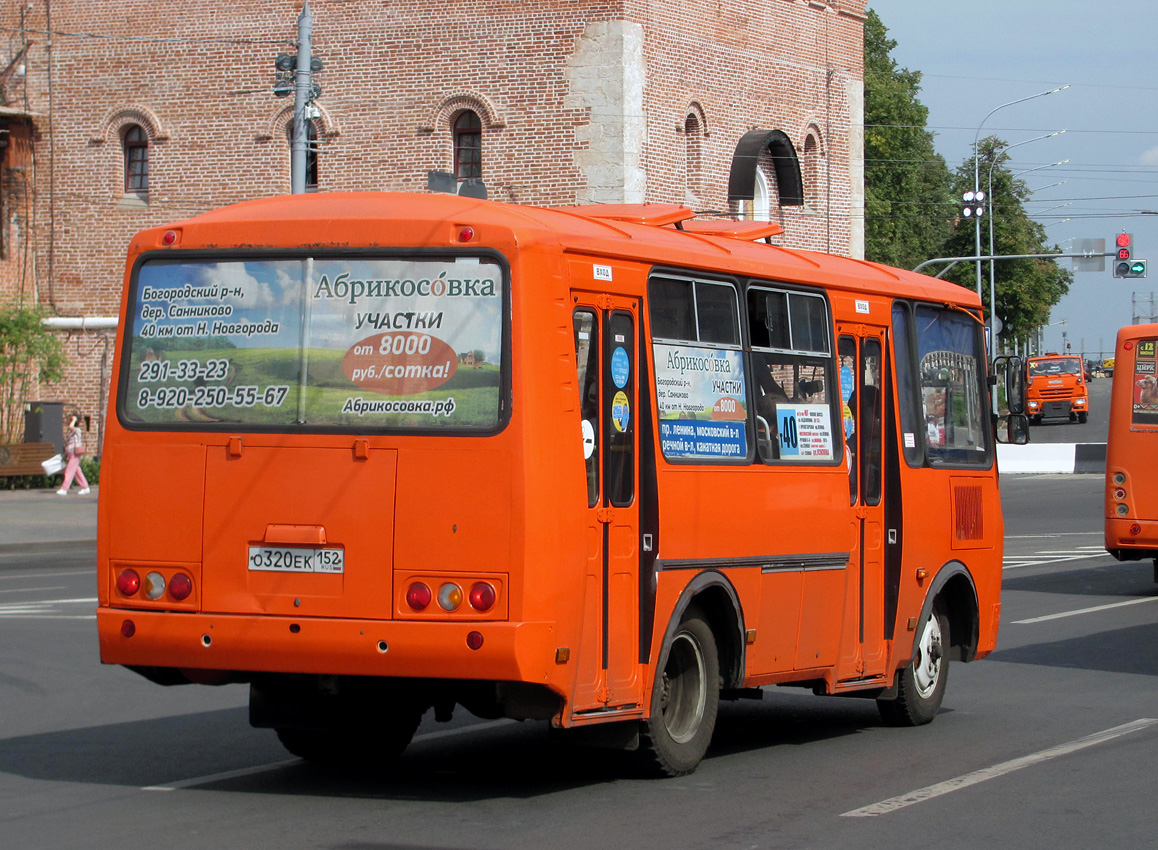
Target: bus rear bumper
{"x":1127,"y":546}
{"x":240,"y":644}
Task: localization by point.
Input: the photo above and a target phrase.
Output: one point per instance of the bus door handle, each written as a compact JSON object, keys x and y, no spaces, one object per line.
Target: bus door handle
{"x":861,"y":512}
{"x":605,"y":515}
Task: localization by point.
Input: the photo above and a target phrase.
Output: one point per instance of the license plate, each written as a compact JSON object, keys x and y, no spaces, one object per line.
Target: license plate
{"x":297,"y":559}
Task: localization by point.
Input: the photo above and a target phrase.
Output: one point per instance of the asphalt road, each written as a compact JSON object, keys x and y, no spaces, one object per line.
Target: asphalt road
{"x":1051,"y":741}
{"x":1093,"y":430}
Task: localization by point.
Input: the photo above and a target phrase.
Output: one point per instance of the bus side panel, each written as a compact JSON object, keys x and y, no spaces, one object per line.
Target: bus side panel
{"x":776,"y":634}
{"x":772,"y":515}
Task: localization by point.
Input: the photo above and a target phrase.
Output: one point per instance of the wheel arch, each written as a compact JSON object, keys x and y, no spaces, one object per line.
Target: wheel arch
{"x":954,"y":586}
{"x":716,"y":598}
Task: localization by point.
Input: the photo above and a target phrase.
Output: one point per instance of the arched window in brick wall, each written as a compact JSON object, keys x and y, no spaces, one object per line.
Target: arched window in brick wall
{"x":694,"y":152}
{"x":467,"y":131}
{"x":135,"y":143}
{"x":810,"y":168}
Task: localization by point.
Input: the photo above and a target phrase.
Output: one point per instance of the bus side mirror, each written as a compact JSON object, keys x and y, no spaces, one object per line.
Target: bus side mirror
{"x":1009,"y":384}
{"x":1013,"y":429}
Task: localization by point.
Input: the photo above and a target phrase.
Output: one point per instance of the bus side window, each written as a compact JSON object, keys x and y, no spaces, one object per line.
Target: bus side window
{"x":587,"y":358}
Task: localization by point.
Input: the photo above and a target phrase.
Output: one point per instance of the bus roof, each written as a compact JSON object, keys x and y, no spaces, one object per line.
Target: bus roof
{"x":646,"y":232}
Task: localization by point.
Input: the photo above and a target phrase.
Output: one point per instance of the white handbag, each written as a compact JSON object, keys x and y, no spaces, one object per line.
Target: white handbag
{"x":53,"y":465}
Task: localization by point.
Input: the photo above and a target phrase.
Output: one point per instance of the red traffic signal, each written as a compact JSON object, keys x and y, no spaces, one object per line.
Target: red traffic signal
{"x":1123,"y":240}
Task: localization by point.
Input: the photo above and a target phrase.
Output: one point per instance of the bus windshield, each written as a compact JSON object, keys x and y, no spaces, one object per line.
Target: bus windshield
{"x":315,"y":343}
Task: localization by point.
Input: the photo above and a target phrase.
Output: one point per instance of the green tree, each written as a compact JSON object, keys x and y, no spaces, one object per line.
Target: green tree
{"x":29,"y":353}
{"x":1025,"y":289}
{"x":909,"y":205}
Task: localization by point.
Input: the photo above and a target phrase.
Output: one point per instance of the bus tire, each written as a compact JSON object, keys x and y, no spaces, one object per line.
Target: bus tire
{"x":1082,"y":417}
{"x":921,"y":684}
{"x":687,"y":696}
{"x":359,"y":746}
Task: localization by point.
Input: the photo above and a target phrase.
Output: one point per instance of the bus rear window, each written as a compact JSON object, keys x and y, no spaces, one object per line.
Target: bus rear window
{"x":314,"y":343}
{"x":1144,"y":388}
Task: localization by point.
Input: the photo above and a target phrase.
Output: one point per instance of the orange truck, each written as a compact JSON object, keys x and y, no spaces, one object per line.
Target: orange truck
{"x":1056,"y":387}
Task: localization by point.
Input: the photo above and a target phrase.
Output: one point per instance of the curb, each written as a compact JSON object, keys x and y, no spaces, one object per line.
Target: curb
{"x":1080,"y":458}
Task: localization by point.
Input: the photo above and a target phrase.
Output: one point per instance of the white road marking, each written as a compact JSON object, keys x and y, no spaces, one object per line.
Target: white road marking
{"x":929,"y":792}
{"x":1014,"y":562}
{"x":33,"y":589}
{"x":219,"y":777}
{"x":277,"y":765}
{"x":45,"y":608}
{"x":1086,"y":610}
{"x":54,"y":574}
{"x":1052,"y":536}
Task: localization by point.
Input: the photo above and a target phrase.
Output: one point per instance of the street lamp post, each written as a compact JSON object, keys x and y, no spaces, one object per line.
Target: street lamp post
{"x":997,"y":154}
{"x":977,"y":170}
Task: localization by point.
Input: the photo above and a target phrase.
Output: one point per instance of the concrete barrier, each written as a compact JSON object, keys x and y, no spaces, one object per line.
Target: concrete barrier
{"x":1082,"y":458}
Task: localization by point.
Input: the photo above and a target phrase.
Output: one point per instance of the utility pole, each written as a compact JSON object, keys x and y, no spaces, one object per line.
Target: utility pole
{"x":302,"y":96}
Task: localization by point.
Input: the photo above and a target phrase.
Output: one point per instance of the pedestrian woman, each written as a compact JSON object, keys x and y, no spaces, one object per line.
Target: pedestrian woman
{"x":73,"y":449}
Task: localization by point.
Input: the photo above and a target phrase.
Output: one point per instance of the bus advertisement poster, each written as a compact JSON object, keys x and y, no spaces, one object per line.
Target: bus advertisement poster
{"x":701,"y":393}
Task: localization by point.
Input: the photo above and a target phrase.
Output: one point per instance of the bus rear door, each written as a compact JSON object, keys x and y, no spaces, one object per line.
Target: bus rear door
{"x":605,"y":345}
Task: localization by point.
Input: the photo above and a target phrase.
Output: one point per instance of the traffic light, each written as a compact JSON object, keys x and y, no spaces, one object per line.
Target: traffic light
{"x":1130,"y":268}
{"x":1126,"y":265}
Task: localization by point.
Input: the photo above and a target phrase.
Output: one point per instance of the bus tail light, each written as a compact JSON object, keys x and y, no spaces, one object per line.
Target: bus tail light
{"x":418,"y":596}
{"x":449,"y":596}
{"x":482,"y":596}
{"x":154,"y":585}
{"x":1120,"y":494}
{"x":128,"y":583}
{"x":1135,"y":529}
{"x":1122,"y":510}
{"x":474,"y":640}
{"x":180,"y":586}
{"x":128,"y":628}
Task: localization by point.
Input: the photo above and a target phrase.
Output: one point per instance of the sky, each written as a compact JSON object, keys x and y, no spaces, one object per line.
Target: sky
{"x":978,"y":55}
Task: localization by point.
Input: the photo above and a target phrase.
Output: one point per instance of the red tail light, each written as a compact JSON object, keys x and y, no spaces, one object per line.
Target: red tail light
{"x":180,"y":586}
{"x":128,"y":582}
{"x":128,"y":628}
{"x":418,"y":596}
{"x":482,"y":596}
{"x":474,"y":640}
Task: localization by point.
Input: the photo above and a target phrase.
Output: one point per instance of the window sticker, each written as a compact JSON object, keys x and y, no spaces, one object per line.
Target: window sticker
{"x":620,"y":411}
{"x":620,"y":367}
{"x":701,"y":396}
{"x":805,"y":431}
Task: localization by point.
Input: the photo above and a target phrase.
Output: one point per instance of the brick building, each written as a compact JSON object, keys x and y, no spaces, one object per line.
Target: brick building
{"x":124,"y":121}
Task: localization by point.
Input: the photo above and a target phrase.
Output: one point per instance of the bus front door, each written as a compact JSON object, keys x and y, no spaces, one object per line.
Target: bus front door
{"x":863,"y":380}
{"x":608,"y":664}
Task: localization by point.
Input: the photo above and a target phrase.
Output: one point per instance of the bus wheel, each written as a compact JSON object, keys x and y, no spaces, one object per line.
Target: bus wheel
{"x":1036,"y":419}
{"x":921,"y":684}
{"x":363,"y":745}
{"x":1082,"y":417}
{"x":675,"y":738}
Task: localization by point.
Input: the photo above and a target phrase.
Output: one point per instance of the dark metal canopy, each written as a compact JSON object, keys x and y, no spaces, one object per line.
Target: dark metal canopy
{"x":742,"y":180}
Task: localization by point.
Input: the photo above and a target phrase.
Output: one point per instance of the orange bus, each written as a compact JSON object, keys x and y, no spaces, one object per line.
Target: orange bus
{"x":1132,"y":448}
{"x":376,"y":454}
{"x":1057,"y":387}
